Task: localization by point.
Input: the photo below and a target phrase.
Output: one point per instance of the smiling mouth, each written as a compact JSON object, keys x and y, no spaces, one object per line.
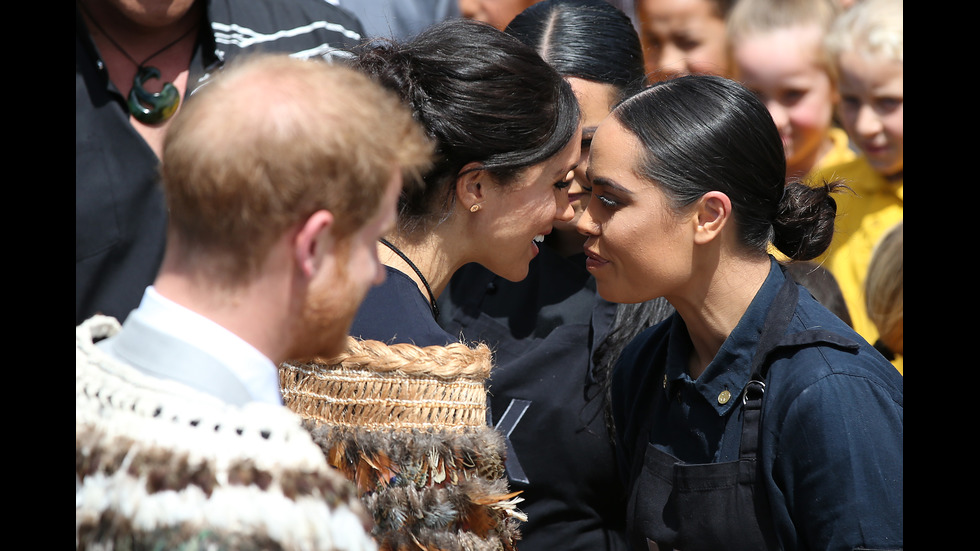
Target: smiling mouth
{"x":539,"y":238}
{"x":875,"y":149}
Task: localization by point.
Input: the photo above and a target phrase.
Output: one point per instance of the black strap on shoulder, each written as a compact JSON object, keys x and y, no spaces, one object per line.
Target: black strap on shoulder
{"x":780,"y":314}
{"x":773,"y":337}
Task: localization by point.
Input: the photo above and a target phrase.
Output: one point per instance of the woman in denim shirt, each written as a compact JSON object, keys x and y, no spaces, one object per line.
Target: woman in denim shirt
{"x":752,"y":418}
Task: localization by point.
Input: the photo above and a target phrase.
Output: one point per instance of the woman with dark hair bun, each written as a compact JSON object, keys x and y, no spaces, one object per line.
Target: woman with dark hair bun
{"x":547,"y":395}
{"x":752,"y":418}
{"x":403,"y":410}
{"x":507,"y":135}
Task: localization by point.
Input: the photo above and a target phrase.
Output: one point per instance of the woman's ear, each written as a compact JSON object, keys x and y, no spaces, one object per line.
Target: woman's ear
{"x":313,"y":240}
{"x":714,"y":210}
{"x":469,"y":187}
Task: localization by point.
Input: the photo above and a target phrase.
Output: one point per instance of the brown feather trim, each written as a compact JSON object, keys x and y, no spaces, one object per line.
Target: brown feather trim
{"x":434,"y":488}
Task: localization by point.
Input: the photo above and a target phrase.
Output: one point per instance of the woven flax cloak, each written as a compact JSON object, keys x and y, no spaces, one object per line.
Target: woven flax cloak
{"x":408,"y":426}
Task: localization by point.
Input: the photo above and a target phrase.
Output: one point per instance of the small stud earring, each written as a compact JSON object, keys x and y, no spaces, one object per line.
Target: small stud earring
{"x":474,"y":208}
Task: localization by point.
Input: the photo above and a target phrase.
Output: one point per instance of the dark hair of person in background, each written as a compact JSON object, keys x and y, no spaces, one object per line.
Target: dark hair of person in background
{"x":482,"y":97}
{"x":822,"y":285}
{"x":588,"y":39}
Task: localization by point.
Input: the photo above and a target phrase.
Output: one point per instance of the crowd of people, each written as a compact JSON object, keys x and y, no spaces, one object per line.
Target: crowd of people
{"x":675,"y":224}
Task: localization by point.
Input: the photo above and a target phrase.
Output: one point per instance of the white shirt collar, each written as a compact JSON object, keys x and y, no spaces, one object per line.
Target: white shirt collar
{"x":257,"y":373}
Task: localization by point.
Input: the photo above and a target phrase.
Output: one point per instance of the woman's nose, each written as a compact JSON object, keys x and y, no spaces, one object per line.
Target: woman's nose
{"x":586,"y":225}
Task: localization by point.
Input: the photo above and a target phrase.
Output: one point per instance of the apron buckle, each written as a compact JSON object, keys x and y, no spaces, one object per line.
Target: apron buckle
{"x":758,"y":389}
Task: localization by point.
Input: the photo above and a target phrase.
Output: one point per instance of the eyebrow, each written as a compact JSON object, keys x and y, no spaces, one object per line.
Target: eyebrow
{"x":605,"y":182}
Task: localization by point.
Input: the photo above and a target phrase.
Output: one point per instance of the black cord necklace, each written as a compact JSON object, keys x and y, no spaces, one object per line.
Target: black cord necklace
{"x":147,"y":107}
{"x":432,"y":299}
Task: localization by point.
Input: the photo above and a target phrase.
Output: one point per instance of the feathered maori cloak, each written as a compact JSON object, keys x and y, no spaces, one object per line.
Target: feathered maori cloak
{"x":408,"y":426}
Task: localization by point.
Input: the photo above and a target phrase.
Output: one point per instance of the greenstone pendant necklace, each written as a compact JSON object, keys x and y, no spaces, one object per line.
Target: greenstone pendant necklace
{"x":147,"y":107}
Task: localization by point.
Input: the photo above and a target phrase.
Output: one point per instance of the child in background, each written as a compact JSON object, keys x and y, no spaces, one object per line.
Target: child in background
{"x":777,"y":52}
{"x":865,"y":45}
{"x":885,"y":289}
{"x":682,"y":37}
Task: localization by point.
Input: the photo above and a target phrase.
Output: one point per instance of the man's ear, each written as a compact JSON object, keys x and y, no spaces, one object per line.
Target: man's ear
{"x":313,"y":240}
{"x":714,"y":210}
{"x":470,"y":185}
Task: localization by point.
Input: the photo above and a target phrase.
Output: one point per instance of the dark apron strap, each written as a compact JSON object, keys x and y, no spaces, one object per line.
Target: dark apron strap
{"x":780,"y":315}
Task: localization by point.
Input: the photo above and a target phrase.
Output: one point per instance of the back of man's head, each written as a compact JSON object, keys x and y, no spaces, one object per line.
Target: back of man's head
{"x":269,"y":141}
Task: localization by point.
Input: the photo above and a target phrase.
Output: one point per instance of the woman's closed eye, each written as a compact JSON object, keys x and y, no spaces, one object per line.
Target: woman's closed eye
{"x":566,"y":181}
{"x":606,"y":201}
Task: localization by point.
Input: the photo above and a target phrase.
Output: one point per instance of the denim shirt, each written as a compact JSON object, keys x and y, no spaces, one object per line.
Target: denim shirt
{"x":832,"y":422}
